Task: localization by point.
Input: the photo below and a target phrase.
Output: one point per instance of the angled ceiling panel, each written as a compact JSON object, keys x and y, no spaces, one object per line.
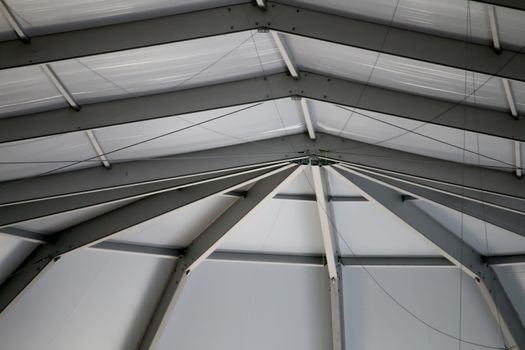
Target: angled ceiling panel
{"x":6,"y":31}
{"x":170,"y":67}
{"x":413,"y":136}
{"x":363,"y":229}
{"x":58,"y":222}
{"x":12,"y":253}
{"x":339,"y":187}
{"x":513,"y":280}
{"x":439,"y":296}
{"x":177,"y":228}
{"x":65,"y":152}
{"x":279,"y":226}
{"x":251,"y":306}
{"x":26,"y":90}
{"x":484,"y":237}
{"x":87,"y":300}
{"x":301,"y":184}
{"x":45,"y":16}
{"x":222,"y":127}
{"x":398,"y":73}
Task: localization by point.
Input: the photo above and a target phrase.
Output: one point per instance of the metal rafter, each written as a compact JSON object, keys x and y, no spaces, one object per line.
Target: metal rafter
{"x":278,"y":17}
{"x":505,"y":219}
{"x":313,"y":86}
{"x":451,"y":247}
{"x":489,"y":185}
{"x":6,"y":11}
{"x":331,"y":252}
{"x":205,"y":244}
{"x":104,"y":226}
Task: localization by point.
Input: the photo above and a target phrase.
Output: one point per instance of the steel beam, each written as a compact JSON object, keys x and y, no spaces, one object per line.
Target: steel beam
{"x":278,"y":17}
{"x":505,"y":219}
{"x":17,"y":213}
{"x":331,"y":252}
{"x":451,"y":247}
{"x":254,"y":90}
{"x":205,"y":244}
{"x":104,"y":226}
{"x":489,"y":185}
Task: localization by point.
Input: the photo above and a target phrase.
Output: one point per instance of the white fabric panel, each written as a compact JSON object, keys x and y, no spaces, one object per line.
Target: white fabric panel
{"x":486,"y":238}
{"x":58,"y":222}
{"x":302,"y":183}
{"x":27,"y":90}
{"x":88,"y":300}
{"x":447,"y":18}
{"x":45,"y":16}
{"x":512,"y":277}
{"x":434,"y":294}
{"x":413,"y":136}
{"x":179,"y":227}
{"x":170,"y":67}
{"x":239,"y":125}
{"x":279,"y":226}
{"x":363,"y":228}
{"x":237,"y":306}
{"x":54,"y":153}
{"x":12,"y":253}
{"x":396,"y":72}
{"x":339,"y":187}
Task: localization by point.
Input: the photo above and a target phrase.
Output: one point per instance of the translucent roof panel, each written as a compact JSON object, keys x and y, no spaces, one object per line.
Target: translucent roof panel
{"x":27,"y":90}
{"x":45,"y":16}
{"x":88,"y":300}
{"x":512,"y":277}
{"x":53,"y":154}
{"x":442,"y":297}
{"x":486,"y":238}
{"x":177,"y":228}
{"x":251,"y":306}
{"x":447,"y":18}
{"x":398,"y":73}
{"x":279,"y":226}
{"x":413,"y":136}
{"x":58,"y":222}
{"x":13,"y":252}
{"x":219,"y":127}
{"x":170,"y":67}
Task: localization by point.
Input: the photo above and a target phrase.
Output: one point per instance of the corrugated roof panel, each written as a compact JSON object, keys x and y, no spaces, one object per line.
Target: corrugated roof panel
{"x":39,"y":156}
{"x":397,"y":73}
{"x":46,"y":16}
{"x":486,"y":238}
{"x":443,"y":297}
{"x":413,"y":136}
{"x":170,"y":67}
{"x":27,"y":90}
{"x":251,"y":306}
{"x":87,"y":300}
{"x":219,"y":127}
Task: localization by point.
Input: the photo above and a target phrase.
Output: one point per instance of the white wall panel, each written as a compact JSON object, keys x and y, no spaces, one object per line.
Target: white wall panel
{"x":363,"y":228}
{"x":170,"y":67}
{"x":237,"y":306}
{"x":87,"y":300}
{"x":436,"y":295}
{"x":486,"y":238}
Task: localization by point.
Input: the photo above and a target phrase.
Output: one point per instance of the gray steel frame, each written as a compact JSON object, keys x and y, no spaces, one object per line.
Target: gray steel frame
{"x":452,"y":247}
{"x":104,"y":226}
{"x":311,"y":85}
{"x":276,"y":16}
